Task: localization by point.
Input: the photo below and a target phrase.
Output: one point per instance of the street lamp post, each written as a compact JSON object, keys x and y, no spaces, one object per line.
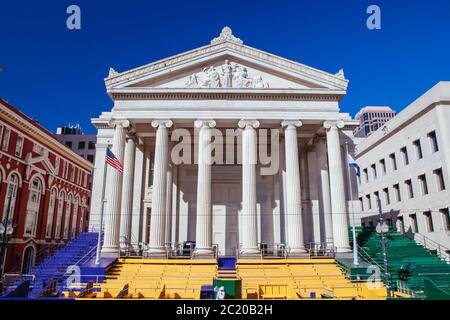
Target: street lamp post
{"x":382,"y":229}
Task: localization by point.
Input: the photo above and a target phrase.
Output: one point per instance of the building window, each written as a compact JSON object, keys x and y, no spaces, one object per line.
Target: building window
{"x":361,"y":202}
{"x":397,"y":192}
{"x":75,"y":217}
{"x":51,"y":212}
{"x":413,"y":221}
{"x":150,"y":172}
{"x":418,"y":148}
{"x":439,"y":179}
{"x":69,"y":144}
{"x":401,"y":225}
{"x":429,"y":221}
{"x":404,"y":152}
{"x":67,"y":217}
{"x":91,"y":145}
{"x":6,"y":138}
{"x":383,"y":166}
{"x":34,"y":201}
{"x":366,"y":175}
{"x":409,"y":188}
{"x":90,"y":158}
{"x":19,"y":146}
{"x":369,"y":202}
{"x":423,"y":184}
{"x":393,"y":161}
{"x":59,"y":215}
{"x":57,"y":161}
{"x":433,"y":141}
{"x":446,"y":218}
{"x":374,"y":171}
{"x":13,"y":183}
{"x":81,"y":145}
{"x":387,"y":199}
{"x":377,"y":196}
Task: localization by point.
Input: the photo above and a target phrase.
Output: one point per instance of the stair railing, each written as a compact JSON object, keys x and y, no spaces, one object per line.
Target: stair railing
{"x":89,"y":255}
{"x":366,"y":257}
{"x":403,"y":288}
{"x":442,"y":251}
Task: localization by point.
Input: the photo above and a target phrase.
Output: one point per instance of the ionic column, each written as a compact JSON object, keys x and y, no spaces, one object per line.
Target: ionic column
{"x":127,"y":193}
{"x":325,"y":189}
{"x":337,"y":186}
{"x":114,"y":193}
{"x":158,"y":214}
{"x":203,"y":234}
{"x":294,"y":239}
{"x":249,"y":215}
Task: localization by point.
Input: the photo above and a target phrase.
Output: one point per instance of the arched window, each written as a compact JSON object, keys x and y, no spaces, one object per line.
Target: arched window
{"x":59,"y":214}
{"x":34,"y":201}
{"x":11,"y":194}
{"x":75,"y":217}
{"x":51,"y":213}
{"x":67,"y":216}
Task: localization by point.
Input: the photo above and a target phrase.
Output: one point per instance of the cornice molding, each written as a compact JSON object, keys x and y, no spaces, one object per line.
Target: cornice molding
{"x":260,"y":96}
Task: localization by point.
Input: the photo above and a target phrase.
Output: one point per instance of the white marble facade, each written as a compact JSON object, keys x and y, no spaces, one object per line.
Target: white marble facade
{"x":235,"y":199}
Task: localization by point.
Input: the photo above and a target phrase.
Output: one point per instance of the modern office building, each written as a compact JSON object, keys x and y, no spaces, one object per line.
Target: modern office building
{"x":74,"y":138}
{"x":407,"y":167}
{"x":371,"y":119}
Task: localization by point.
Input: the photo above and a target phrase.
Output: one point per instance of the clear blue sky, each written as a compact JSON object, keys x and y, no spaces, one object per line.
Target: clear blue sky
{"x":56,"y":75}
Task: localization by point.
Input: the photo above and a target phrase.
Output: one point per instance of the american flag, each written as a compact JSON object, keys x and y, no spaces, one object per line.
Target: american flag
{"x":112,"y":161}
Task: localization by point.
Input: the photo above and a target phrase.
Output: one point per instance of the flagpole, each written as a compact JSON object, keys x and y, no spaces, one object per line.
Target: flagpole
{"x":99,"y":242}
{"x":355,"y":240}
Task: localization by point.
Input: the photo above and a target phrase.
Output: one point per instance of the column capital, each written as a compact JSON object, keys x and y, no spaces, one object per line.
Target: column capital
{"x":204,"y":123}
{"x":113,"y":123}
{"x":291,"y":123}
{"x":339,"y":124}
{"x":162,"y":123}
{"x":245,"y":123}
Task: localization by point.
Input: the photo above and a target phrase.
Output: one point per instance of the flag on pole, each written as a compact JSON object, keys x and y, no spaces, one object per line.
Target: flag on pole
{"x":113,"y":161}
{"x":352,"y":164}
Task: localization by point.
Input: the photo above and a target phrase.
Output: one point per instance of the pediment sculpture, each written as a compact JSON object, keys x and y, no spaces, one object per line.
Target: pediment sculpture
{"x":228,"y":75}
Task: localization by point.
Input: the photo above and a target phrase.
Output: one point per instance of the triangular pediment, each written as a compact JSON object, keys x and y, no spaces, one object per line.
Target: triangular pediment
{"x":226,"y":63}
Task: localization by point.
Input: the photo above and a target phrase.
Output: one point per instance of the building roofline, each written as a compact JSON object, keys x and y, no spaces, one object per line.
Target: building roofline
{"x":440,"y":93}
{"x":45,"y":136}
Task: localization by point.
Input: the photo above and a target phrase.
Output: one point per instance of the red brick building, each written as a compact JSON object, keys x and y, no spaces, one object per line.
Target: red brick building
{"x":44,"y":184}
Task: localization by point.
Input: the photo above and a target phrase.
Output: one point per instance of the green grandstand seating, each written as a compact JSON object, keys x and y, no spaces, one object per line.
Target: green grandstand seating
{"x":408,"y":261}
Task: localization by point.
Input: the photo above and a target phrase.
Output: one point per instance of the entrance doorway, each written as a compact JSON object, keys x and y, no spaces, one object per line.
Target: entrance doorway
{"x":28,"y":259}
{"x":226,"y":206}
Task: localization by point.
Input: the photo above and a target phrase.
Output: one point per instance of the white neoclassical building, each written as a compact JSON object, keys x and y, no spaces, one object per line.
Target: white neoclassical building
{"x":226,"y":146}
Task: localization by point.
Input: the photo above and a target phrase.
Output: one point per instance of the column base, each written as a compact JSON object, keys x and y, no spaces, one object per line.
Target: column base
{"x":109,"y":252}
{"x":203,"y":253}
{"x":294,"y":251}
{"x":250,"y":253}
{"x":156,"y":252}
{"x":343,"y":249}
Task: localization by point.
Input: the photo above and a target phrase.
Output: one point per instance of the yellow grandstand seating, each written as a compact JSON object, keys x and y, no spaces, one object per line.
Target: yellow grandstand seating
{"x":299,"y":279}
{"x":261,"y":279}
{"x":158,"y":279}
